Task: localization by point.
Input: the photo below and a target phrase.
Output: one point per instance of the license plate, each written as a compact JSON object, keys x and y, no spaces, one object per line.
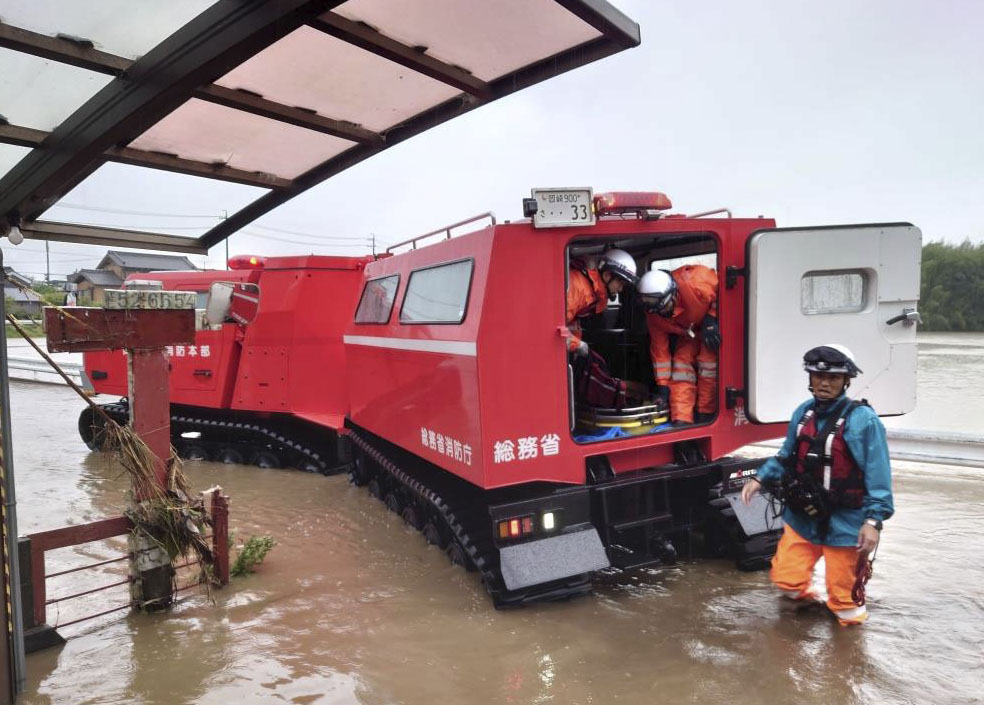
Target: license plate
{"x":563,"y":207}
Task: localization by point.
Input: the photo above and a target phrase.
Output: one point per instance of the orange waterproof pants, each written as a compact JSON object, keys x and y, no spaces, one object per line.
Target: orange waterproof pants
{"x":792,"y":572}
{"x":688,"y":380}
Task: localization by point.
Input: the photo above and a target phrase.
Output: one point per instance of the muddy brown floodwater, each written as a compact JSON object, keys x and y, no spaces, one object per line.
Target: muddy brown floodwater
{"x":353,"y":607}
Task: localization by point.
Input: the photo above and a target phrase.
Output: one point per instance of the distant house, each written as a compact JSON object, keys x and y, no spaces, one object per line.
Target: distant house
{"x":123,"y":264}
{"x":11,"y":276}
{"x":18,"y":302}
{"x":91,"y":283}
{"x":115,"y":267}
{"x":22,"y":304}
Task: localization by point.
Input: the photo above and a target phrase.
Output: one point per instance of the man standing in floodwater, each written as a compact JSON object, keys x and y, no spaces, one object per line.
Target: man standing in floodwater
{"x":834,"y":478}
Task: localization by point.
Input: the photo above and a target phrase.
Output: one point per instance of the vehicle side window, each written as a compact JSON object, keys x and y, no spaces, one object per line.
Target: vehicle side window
{"x":833,"y":292}
{"x":437,"y":294}
{"x":377,"y":300}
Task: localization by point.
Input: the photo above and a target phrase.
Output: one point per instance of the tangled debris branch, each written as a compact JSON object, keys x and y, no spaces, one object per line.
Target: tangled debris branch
{"x":167,"y":516}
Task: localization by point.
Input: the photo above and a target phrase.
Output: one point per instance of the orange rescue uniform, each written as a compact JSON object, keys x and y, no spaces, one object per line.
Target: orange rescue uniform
{"x":697,"y":297}
{"x":792,"y":572}
{"x":587,"y":295}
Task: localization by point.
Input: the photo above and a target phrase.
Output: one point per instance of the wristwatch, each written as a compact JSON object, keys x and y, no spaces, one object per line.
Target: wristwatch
{"x":874,"y":522}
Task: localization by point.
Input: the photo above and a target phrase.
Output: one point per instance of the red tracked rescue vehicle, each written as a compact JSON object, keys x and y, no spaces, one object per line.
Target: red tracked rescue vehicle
{"x":439,"y":377}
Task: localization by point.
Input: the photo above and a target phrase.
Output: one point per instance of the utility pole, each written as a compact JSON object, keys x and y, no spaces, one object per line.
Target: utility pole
{"x":47,"y":264}
{"x":225,"y":213}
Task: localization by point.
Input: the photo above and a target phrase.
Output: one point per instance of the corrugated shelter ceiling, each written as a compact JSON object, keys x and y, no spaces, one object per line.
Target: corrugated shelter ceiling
{"x":274,"y":95}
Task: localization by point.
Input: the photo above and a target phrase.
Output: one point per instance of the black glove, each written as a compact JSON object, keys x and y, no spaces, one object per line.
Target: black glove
{"x":663,"y":394}
{"x":710,"y":333}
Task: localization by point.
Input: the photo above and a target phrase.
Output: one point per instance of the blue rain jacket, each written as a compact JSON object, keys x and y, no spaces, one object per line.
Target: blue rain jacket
{"x":865,"y":438}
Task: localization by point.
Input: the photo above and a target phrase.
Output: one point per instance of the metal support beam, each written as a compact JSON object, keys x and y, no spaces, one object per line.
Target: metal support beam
{"x":169,"y":162}
{"x":28,"y":137}
{"x":64,"y":51}
{"x":8,"y":519}
{"x":364,"y":37}
{"x":21,"y":136}
{"x":300,"y":117}
{"x":212,"y":44}
{"x":113,"y":237}
{"x":607,"y":19}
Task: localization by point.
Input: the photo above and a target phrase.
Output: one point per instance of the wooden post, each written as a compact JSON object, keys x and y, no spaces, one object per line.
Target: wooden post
{"x":150,"y":405}
{"x":220,"y":535}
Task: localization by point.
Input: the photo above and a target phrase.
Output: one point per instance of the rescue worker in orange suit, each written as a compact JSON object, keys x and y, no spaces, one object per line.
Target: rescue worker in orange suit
{"x":683,"y":304}
{"x":833,"y":475}
{"x":589,"y":291}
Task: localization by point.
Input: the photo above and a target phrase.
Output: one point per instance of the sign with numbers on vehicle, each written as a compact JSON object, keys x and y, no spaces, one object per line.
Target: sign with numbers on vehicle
{"x":563,"y":207}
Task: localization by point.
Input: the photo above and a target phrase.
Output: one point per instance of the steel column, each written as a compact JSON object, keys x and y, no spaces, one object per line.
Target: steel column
{"x":13,"y":624}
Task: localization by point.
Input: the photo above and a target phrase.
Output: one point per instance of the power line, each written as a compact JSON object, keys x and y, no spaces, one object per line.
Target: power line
{"x":319,"y":238}
{"x":365,"y":242}
{"x":120,"y":211}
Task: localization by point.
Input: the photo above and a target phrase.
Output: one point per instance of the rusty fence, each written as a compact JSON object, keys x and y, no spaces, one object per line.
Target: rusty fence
{"x":38,"y":634}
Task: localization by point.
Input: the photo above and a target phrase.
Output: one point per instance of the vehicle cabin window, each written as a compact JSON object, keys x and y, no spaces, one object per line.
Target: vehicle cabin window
{"x":437,"y":294}
{"x":201,"y":300}
{"x":376,"y":302}
{"x":832,"y":292}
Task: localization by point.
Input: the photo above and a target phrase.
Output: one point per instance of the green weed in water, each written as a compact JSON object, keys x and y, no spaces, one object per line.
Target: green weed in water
{"x":251,"y":553}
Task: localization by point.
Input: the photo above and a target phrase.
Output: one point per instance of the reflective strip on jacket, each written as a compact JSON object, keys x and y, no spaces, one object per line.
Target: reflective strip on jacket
{"x":865,"y":438}
{"x":697,"y":285}
{"x":586,"y":296}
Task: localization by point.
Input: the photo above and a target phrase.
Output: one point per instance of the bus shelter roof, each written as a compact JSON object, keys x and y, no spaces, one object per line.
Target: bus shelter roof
{"x":270,"y":96}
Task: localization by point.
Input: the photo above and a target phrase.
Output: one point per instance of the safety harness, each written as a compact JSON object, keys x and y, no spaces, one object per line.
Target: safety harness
{"x":820,"y":473}
{"x":824,"y":455}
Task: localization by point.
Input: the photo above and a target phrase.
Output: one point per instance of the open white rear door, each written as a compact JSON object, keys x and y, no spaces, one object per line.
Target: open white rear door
{"x":812,"y":286}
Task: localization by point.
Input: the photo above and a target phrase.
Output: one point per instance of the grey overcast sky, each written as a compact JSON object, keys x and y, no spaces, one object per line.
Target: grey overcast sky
{"x":811,"y":113}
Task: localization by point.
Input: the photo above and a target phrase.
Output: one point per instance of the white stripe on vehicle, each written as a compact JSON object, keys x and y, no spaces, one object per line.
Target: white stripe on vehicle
{"x":447,"y":347}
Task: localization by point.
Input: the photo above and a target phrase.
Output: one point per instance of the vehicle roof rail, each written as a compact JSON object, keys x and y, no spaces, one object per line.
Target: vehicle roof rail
{"x":446,"y":230}
{"x":713,"y":212}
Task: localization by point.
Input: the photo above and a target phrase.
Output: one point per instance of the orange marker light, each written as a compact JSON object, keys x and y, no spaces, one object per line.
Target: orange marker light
{"x":622,"y":201}
{"x":246,"y":262}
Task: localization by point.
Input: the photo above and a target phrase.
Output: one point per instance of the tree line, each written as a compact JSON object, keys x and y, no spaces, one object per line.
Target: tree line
{"x":952,"y":288}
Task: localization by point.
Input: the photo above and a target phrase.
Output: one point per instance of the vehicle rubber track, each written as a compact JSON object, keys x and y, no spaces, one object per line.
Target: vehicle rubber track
{"x":242,"y":441}
{"x":451,"y":514}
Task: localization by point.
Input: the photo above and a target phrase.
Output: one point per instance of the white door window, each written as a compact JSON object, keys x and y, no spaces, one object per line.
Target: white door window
{"x":810,"y":287}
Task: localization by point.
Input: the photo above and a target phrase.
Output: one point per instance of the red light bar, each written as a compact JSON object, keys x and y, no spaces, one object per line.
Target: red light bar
{"x":622,"y":201}
{"x":246,"y":262}
{"x":515,"y":528}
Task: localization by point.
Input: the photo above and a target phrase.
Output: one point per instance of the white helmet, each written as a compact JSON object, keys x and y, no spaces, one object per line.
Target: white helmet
{"x":619,"y":263}
{"x":657,"y":292}
{"x":831,"y":357}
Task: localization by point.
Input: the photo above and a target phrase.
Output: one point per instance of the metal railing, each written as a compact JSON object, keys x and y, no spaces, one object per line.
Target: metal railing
{"x":43,"y":541}
{"x":446,"y":230}
{"x":36,"y":370}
